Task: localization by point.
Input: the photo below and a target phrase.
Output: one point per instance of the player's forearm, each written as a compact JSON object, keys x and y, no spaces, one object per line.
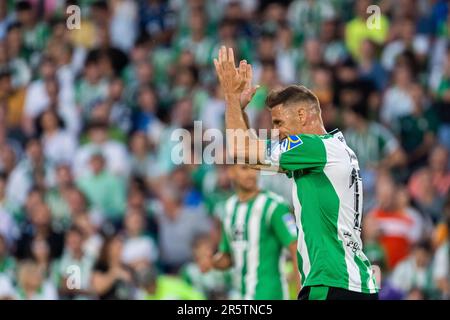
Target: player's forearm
{"x":234,"y":117}
{"x":236,"y":129}
{"x":242,"y":142}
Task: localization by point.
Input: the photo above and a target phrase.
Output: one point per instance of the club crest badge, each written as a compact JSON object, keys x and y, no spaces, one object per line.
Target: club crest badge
{"x":290,"y":143}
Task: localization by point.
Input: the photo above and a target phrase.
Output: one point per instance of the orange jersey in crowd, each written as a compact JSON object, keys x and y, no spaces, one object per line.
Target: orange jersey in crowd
{"x":396,"y":233}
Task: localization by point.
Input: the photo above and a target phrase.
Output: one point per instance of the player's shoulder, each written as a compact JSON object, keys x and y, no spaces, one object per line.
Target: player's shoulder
{"x":303,"y":139}
{"x":278,"y":205}
{"x":276,"y":198}
{"x":231,"y":200}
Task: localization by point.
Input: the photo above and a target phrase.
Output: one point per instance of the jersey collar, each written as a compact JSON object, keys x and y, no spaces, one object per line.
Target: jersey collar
{"x":334,"y":131}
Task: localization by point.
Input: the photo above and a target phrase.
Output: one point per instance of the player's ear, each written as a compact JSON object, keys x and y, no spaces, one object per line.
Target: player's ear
{"x":302,"y":115}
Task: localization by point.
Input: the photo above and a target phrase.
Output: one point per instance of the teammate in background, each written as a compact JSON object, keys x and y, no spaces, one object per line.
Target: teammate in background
{"x":327,"y":187}
{"x":256,"y":226}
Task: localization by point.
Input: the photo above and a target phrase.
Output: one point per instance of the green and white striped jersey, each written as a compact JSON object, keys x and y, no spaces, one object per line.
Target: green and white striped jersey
{"x":327,"y":196}
{"x":254,"y":234}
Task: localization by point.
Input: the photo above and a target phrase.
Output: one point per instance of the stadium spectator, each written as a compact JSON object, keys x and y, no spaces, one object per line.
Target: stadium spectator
{"x":31,"y":284}
{"x":114,"y":152}
{"x":214,"y":284}
{"x":178,"y":224}
{"x":154,"y":286}
{"x":105,"y":191}
{"x":357,"y":30}
{"x":398,"y":230}
{"x":376,"y":147}
{"x":415,"y":273}
{"x":58,"y":144}
{"x":441,"y":269}
{"x":39,"y":228}
{"x":417,"y":131}
{"x":74,"y":262}
{"x":111,"y":278}
{"x":139,"y":249}
{"x":7,"y":262}
{"x":397,"y":100}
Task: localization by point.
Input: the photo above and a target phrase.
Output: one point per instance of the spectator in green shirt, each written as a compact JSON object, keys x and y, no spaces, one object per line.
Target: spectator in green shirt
{"x":35,"y":33}
{"x":417,"y":131}
{"x":376,"y":147}
{"x":104,"y":190}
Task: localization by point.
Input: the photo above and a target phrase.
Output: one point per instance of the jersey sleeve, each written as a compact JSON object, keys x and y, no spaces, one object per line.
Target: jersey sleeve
{"x":224,"y":245}
{"x":283,"y":224}
{"x":296,"y":152}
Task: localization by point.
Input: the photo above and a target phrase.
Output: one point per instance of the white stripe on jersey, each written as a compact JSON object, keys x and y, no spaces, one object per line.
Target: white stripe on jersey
{"x":334,"y":170}
{"x":301,"y":244}
{"x":276,"y":200}
{"x":238,"y":246}
{"x":254,"y":227}
{"x":229,"y":207}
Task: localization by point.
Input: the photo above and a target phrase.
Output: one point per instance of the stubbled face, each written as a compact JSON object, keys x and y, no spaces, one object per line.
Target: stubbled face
{"x":286,"y":120}
{"x":244,"y":177}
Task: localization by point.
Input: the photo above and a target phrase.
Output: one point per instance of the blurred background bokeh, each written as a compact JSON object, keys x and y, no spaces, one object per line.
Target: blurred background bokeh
{"x":86,"y":115}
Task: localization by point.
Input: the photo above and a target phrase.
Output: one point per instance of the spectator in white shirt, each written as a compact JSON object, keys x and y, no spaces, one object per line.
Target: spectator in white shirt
{"x":31,"y":284}
{"x":409,"y":39}
{"x":59,"y":145}
{"x":34,"y":169}
{"x":115,"y":153}
{"x":49,"y":91}
{"x":397,"y":100}
{"x":139,"y":248}
{"x":415,"y":272}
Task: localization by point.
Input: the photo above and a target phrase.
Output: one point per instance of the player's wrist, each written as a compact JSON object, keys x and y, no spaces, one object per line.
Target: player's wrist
{"x":233,"y":97}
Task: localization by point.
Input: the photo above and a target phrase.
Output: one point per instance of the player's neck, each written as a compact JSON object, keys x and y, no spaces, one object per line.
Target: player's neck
{"x":244,"y":195}
{"x":314,"y":125}
{"x":314,"y":129}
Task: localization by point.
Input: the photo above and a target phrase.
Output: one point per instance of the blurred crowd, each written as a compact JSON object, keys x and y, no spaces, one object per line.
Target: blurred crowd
{"x":91,"y":205}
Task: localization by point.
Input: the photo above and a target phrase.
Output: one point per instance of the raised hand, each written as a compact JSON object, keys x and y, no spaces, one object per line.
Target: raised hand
{"x":247,"y":94}
{"x":231,"y":81}
{"x":234,"y":81}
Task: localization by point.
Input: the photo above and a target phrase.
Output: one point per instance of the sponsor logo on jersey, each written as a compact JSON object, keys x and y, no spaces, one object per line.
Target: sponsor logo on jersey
{"x":290,"y":142}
